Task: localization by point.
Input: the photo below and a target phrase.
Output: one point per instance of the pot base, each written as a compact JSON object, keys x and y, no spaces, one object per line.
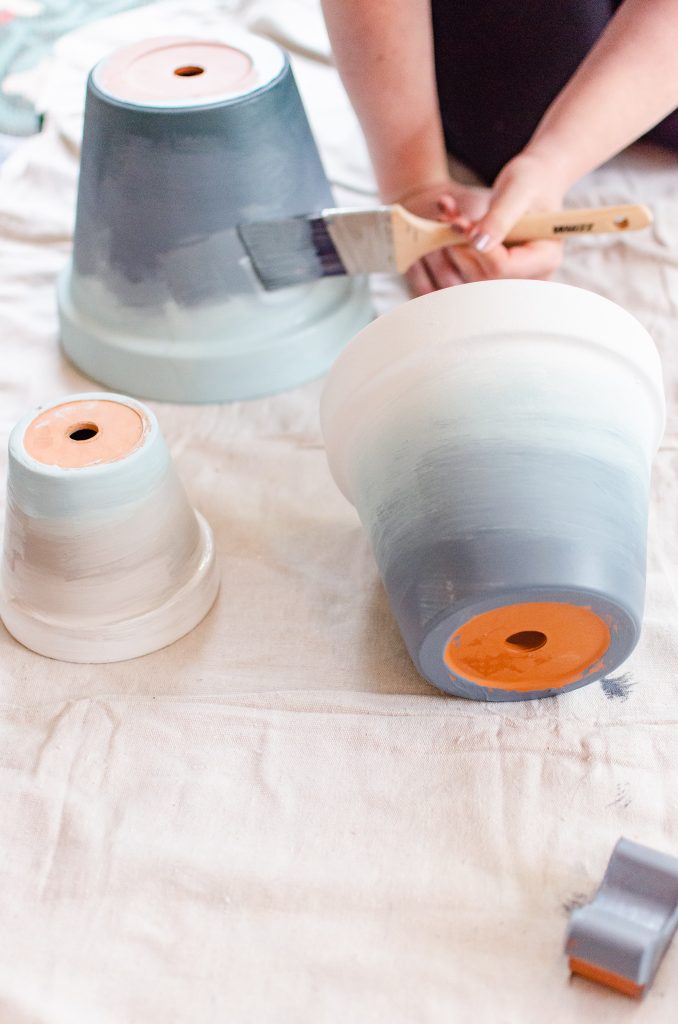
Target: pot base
{"x":526,"y":646}
{"x":102,"y":641}
{"x":523,"y":646}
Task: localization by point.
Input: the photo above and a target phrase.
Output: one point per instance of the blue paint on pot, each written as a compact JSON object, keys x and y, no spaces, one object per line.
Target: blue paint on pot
{"x":471,"y":527}
{"x":155,"y":183}
{"x":161,"y":299}
{"x":496,"y":440}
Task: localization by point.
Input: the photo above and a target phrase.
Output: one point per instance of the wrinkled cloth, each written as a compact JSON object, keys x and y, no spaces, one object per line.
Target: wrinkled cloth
{"x":276,"y":819}
{"x":27,"y":33}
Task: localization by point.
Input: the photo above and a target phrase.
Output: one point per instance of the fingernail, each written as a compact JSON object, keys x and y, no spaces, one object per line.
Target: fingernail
{"x":481,"y":243}
{"x":447,"y":203}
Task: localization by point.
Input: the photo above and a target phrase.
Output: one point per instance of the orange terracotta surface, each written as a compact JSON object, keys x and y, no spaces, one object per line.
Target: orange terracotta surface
{"x":119,"y":431}
{"x":555,"y":643}
{"x":176,"y":69}
{"x":609,"y":978}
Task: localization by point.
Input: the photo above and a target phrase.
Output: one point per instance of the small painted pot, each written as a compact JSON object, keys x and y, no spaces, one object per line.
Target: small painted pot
{"x":104,"y":559}
{"x":184,"y":139}
{"x":496,"y":439}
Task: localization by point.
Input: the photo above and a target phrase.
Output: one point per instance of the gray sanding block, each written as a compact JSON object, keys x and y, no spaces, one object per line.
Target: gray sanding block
{"x":620,"y":937}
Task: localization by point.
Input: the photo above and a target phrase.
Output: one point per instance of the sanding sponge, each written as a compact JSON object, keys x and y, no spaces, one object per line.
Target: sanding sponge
{"x":620,"y":937}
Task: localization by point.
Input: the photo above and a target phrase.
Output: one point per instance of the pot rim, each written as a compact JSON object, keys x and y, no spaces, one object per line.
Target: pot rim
{"x":390,"y":344}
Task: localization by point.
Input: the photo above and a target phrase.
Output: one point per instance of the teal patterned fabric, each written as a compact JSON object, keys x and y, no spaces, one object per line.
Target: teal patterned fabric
{"x":27,"y":31}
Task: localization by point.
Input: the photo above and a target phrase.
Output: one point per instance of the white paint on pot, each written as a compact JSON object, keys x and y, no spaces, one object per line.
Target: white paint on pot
{"x":540,"y":341}
{"x":103,"y":560}
{"x":246,"y":346}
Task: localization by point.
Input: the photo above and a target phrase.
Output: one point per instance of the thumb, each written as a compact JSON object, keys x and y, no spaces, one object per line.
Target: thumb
{"x":511,"y":196}
{"x":449,"y":211}
{"x":447,"y":206}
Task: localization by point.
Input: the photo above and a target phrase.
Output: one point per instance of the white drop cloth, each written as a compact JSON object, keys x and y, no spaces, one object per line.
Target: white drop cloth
{"x":276,"y":819}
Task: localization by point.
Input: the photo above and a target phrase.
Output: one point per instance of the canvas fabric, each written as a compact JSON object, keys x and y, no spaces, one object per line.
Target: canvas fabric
{"x":276,"y":819}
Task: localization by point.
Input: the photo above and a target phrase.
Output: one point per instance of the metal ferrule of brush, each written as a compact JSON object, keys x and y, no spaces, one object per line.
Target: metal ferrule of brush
{"x":363,"y":239}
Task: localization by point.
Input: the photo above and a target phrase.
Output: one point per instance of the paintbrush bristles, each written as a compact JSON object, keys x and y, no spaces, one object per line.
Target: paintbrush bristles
{"x":290,"y":252}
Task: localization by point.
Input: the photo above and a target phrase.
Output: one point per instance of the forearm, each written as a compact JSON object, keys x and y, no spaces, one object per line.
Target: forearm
{"x":384,"y":53}
{"x":626,"y":85}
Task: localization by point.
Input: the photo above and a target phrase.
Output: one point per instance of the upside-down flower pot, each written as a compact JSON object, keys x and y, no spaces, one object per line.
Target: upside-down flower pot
{"x":104,"y":559}
{"x":183,"y":140}
{"x":496,"y":439}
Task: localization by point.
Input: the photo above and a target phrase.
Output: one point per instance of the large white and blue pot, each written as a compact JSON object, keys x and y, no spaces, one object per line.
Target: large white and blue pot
{"x":184,"y":140}
{"x":496,"y":439}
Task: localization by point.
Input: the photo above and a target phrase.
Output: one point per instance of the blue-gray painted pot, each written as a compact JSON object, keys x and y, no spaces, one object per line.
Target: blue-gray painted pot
{"x":161,"y":300}
{"x":496,"y":439}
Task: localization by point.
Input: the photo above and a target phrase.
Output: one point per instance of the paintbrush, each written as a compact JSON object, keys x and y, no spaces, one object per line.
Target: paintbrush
{"x":390,"y":239}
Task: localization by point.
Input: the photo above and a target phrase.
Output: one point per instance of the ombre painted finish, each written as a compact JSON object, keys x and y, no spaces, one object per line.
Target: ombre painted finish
{"x":160,"y":299}
{"x":496,"y":439}
{"x":104,"y":559}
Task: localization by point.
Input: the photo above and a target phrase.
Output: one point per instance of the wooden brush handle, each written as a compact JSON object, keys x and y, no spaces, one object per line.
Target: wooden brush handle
{"x":414,"y":237}
{"x":601,"y":220}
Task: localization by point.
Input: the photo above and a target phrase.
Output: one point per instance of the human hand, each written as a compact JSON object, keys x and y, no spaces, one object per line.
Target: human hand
{"x":486,"y":215}
{"x":462,"y":206}
{"x":524,"y":185}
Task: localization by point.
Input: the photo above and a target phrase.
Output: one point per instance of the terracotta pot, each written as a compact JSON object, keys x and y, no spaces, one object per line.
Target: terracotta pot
{"x":496,"y":439}
{"x":104,"y":558}
{"x":184,"y":139}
